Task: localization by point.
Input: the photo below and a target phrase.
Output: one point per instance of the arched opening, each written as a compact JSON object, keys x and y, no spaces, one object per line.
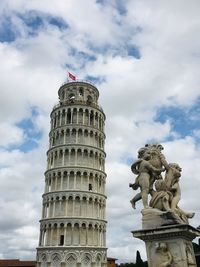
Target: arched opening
{"x":63,"y":118}
{"x":80,"y":116}
{"x":86,"y":117}
{"x":68,"y":116}
{"x":72,"y":157}
{"x":65,"y":180}
{"x":79,"y":157}
{"x":57,"y":207}
{"x":70,"y":206}
{"x":92,"y":118}
{"x":83,"y":234}
{"x":71,"y":180}
{"x":80,"y":136}
{"x":91,"y":138}
{"x":78,"y":180}
{"x":68,"y":234}
{"x":61,"y":141}
{"x":84,"y":207}
{"x":63,"y":204}
{"x":90,"y":235}
{"x":91,"y":159}
{"x":76,"y":234}
{"x":85,"y":137}
{"x":61,"y":235}
{"x":54,"y":235}
{"x":77,"y":207}
{"x":90,"y":210}
{"x":85,"y":157}
{"x":85,"y":182}
{"x":66,"y":158}
{"x":73,"y":137}
{"x":74,"y":117}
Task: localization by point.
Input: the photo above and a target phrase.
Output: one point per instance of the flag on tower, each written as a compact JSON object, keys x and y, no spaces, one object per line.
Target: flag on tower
{"x":71,"y":76}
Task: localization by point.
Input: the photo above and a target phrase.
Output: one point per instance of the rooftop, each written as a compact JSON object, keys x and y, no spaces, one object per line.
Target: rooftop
{"x":16,"y":263}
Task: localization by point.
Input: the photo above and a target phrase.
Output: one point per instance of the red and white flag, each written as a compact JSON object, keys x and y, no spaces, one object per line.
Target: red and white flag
{"x":71,"y":76}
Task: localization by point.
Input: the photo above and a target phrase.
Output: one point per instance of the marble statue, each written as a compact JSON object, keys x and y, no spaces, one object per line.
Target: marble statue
{"x":145,"y":170}
{"x":165,"y":192}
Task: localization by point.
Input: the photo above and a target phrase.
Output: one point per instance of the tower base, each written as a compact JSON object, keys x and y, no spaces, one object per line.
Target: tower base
{"x":71,"y":257}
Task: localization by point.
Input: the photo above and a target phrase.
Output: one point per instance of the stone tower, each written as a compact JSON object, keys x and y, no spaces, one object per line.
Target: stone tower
{"x":73,"y":226}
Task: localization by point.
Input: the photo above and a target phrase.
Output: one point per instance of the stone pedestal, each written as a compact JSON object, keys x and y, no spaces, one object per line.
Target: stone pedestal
{"x":169,"y":246}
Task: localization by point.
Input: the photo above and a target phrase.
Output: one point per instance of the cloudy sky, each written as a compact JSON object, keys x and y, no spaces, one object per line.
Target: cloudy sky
{"x":143,"y":55}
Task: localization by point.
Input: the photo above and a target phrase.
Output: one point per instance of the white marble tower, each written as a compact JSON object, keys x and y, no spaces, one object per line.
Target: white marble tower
{"x":73,"y":226}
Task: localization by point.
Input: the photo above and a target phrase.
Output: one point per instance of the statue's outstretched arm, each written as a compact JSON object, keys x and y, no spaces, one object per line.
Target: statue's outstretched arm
{"x":134,"y":166}
{"x":164,"y":162}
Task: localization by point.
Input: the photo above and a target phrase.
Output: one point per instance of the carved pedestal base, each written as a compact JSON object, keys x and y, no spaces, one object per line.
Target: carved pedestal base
{"x":169,"y":246}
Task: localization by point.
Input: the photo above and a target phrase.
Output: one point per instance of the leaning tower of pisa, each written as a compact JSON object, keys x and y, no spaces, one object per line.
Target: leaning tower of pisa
{"x":73,"y":226}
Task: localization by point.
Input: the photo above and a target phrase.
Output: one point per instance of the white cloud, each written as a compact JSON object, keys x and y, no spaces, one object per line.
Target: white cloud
{"x":15,"y":135}
{"x":134,"y":89}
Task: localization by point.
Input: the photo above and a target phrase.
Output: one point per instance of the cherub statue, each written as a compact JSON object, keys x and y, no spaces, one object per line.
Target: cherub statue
{"x":172,"y":176}
{"x":145,"y":171}
{"x":168,"y":193}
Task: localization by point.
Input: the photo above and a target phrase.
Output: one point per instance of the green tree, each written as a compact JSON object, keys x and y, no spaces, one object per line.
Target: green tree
{"x":139,"y":261}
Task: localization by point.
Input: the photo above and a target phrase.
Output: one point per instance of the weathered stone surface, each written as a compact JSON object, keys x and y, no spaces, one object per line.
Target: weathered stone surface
{"x":153,"y":218}
{"x":169,"y":245}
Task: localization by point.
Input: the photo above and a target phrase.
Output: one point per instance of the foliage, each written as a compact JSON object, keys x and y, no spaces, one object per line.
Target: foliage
{"x":139,"y":262}
{"x":144,"y":264}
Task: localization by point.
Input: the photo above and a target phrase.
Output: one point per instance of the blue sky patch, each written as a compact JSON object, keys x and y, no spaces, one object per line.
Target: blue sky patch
{"x":8,"y":31}
{"x":32,"y":19}
{"x":58,"y":22}
{"x":32,"y":135}
{"x":133,"y":51}
{"x":121,"y":7}
{"x":118,"y":4}
{"x":36,"y":20}
{"x":129,"y":161}
{"x":86,"y":57}
{"x":81,"y":55}
{"x":95,"y":80}
{"x":184,"y":121}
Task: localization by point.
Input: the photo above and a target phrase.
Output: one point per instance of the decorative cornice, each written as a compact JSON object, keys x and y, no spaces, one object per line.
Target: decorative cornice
{"x":81,"y":192}
{"x":167,"y":232}
{"x":72,"y":168}
{"x":73,"y":219}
